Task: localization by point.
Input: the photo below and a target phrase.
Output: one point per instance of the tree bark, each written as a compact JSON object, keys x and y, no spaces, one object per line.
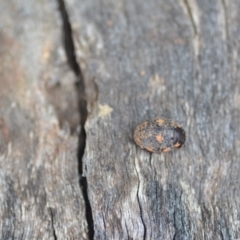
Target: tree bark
{"x":139,"y":60}
{"x":40,"y":196}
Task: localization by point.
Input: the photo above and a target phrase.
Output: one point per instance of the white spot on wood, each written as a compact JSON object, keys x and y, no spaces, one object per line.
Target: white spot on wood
{"x":104,"y":110}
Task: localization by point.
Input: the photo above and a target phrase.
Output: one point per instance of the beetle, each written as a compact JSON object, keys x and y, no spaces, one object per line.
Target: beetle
{"x":159,"y":135}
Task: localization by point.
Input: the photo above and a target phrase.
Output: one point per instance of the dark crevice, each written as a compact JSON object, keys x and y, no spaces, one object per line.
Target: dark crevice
{"x":80,"y":86}
{"x":68,"y":41}
{"x":52,"y":223}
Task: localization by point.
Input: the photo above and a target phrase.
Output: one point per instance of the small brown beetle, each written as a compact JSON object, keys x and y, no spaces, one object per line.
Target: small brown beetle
{"x":159,"y":135}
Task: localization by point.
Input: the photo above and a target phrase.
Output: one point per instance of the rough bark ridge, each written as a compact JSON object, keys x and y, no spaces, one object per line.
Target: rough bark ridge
{"x":140,"y":60}
{"x":170,"y":59}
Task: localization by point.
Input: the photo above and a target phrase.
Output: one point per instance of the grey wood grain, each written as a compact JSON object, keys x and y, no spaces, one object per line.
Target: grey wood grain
{"x":174,"y":59}
{"x":140,"y":60}
{"x":40,"y":196}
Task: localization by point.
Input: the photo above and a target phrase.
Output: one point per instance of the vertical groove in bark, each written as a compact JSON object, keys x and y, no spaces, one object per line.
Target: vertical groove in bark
{"x":52,"y":223}
{"x":80,"y":86}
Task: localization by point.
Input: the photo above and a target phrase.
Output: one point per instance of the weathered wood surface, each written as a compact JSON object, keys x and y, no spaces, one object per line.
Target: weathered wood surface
{"x":176,"y":59}
{"x":40,"y":196}
{"x":140,"y":60}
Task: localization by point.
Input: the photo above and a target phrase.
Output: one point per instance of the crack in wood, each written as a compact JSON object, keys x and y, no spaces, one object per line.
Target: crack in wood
{"x":52,"y":224}
{"x":105,"y":226}
{"x":80,"y":87}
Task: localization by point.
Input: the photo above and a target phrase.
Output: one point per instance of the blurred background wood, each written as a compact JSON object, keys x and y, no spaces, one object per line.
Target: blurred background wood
{"x":140,"y":60}
{"x":40,"y":197}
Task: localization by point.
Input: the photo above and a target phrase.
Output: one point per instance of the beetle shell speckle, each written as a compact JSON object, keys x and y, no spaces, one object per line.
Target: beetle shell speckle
{"x":159,"y":135}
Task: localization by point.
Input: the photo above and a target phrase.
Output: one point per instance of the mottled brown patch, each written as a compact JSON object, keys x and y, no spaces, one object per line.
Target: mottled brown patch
{"x":166,"y":149}
{"x":159,"y":135}
{"x":150,"y":149}
{"x":173,"y":124}
{"x":160,"y":122}
{"x":141,"y":126}
{"x":144,"y":125}
{"x":160,"y":138}
{"x":137,"y":139}
{"x":177,"y":145}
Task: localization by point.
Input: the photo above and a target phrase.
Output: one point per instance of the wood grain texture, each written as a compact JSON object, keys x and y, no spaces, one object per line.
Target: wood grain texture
{"x":141,"y":60}
{"x":40,"y":196}
{"x":173,"y":59}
